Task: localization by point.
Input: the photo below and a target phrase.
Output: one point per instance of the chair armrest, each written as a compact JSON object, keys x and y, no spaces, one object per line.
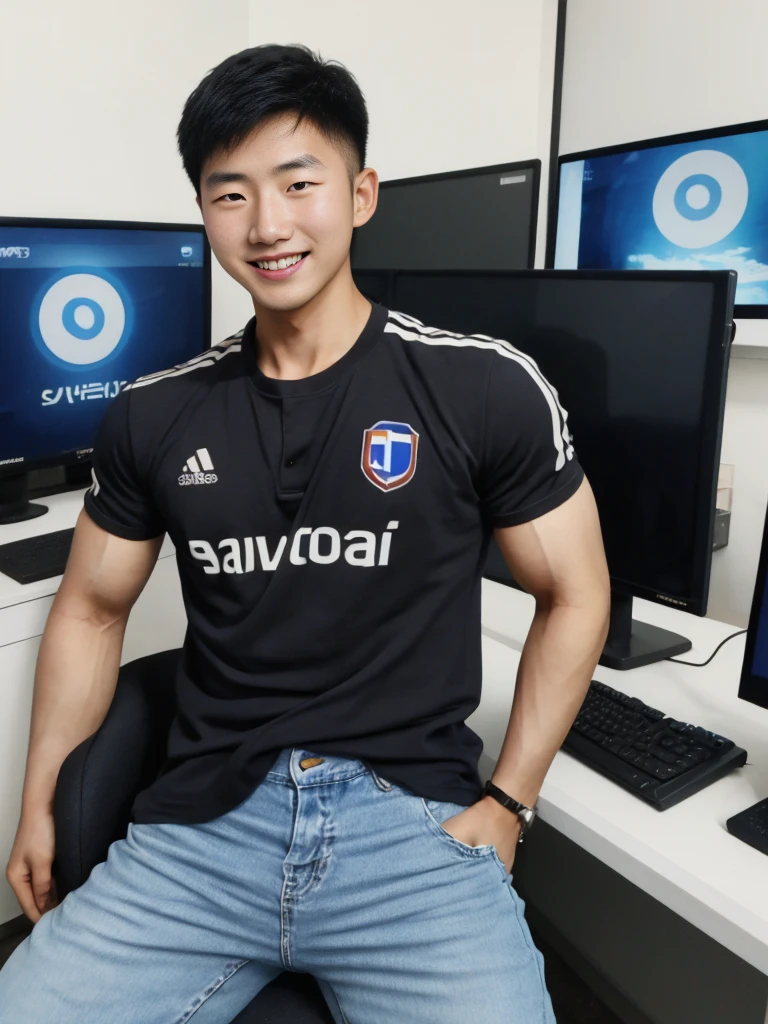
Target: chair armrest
{"x":99,"y":780}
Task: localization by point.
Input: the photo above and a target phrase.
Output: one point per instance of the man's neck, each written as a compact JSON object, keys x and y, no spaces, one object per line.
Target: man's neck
{"x":298,"y":343}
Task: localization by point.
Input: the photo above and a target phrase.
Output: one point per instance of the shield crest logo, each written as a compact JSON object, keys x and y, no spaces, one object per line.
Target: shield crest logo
{"x":389,"y":454}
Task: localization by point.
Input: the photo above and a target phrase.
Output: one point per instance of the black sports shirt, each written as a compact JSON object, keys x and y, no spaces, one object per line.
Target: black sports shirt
{"x":330,"y":536}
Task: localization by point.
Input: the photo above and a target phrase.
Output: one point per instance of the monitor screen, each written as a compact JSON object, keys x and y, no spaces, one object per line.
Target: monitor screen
{"x":639,"y":362}
{"x":754,"y":676}
{"x":689,"y":202}
{"x":85,"y":311}
{"x":478,"y":219}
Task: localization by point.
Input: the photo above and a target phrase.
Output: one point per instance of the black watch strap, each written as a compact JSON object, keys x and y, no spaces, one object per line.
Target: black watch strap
{"x":524,"y":813}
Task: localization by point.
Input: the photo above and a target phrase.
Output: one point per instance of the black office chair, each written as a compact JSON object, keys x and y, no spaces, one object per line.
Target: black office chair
{"x":92,"y":803}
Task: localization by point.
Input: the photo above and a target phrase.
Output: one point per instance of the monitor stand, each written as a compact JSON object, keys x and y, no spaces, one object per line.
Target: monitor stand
{"x":631,"y":643}
{"x":15,"y":506}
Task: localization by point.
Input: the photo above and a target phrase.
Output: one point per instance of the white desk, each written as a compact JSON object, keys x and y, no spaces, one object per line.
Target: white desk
{"x":683,"y":856}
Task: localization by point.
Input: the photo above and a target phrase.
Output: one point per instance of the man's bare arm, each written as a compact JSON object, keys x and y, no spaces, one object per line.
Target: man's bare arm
{"x":560,"y":560}
{"x":75,"y":681}
{"x":80,"y":651}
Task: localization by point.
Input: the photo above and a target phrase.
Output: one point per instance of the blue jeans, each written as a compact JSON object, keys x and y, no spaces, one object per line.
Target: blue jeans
{"x":328,"y":869}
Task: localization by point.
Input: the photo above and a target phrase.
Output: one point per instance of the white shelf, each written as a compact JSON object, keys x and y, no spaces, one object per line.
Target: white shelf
{"x":751,"y":341}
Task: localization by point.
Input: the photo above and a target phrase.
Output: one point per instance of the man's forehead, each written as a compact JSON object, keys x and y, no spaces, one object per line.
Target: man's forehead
{"x":271,"y":150}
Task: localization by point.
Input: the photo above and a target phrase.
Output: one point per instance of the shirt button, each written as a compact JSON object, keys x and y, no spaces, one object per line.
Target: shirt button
{"x":290,"y":462}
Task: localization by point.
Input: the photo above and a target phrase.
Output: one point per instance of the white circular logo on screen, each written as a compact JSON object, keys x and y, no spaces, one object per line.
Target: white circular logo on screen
{"x":700,"y":198}
{"x":81,"y":318}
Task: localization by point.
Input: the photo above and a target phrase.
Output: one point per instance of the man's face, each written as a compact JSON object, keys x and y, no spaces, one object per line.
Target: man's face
{"x":253,"y":209}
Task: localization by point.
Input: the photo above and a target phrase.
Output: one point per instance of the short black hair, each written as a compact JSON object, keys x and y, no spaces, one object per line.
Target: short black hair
{"x":257,"y":83}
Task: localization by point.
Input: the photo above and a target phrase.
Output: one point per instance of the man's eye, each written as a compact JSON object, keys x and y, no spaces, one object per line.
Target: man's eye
{"x":301,"y":183}
{"x":236,"y":194}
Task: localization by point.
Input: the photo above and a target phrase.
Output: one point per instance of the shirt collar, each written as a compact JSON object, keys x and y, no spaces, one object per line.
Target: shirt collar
{"x":366,"y":340}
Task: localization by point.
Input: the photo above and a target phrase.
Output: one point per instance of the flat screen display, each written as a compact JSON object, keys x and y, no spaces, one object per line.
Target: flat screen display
{"x":760,"y":657}
{"x":86,"y":310}
{"x":478,"y":219}
{"x":754,"y":676}
{"x":639,"y":362}
{"x":697,"y":203}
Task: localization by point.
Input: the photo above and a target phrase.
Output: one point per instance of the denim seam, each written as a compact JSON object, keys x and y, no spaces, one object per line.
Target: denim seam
{"x":531,"y":948}
{"x":332,"y":990}
{"x":286,"y":905}
{"x":213,"y":988}
{"x":287,"y":780}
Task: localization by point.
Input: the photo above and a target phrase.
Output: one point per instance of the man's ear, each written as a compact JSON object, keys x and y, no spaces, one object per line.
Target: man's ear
{"x":197,"y":200}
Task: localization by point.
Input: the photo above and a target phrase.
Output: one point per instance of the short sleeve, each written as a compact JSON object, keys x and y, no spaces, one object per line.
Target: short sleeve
{"x":118,"y":500}
{"x":528,"y":466}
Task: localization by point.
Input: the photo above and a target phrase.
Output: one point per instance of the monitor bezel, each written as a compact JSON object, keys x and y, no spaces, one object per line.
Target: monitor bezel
{"x":741,"y":311}
{"x":715,"y":383}
{"x":752,"y":687}
{"x":471,"y":172}
{"x":83,"y":455}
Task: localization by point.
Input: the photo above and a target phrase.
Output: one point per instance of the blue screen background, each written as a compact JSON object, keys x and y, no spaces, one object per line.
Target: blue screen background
{"x":161,"y":293}
{"x":760,"y":657}
{"x":619,"y":231}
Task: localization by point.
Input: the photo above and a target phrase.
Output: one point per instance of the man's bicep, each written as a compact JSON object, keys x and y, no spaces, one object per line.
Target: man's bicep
{"x":105,"y":573}
{"x":559,"y":556}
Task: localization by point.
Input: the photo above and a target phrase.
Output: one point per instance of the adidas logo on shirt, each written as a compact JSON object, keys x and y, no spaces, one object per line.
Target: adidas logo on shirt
{"x":198,"y":469}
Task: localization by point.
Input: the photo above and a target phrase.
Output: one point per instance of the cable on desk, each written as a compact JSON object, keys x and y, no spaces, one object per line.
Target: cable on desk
{"x":700,"y":664}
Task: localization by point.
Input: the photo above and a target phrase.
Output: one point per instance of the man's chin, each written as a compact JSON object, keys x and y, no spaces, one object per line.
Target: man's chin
{"x":280,"y":304}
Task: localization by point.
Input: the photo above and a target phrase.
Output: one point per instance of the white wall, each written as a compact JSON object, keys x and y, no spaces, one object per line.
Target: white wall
{"x":636,"y":70}
{"x":91,"y":92}
{"x":447,"y":86}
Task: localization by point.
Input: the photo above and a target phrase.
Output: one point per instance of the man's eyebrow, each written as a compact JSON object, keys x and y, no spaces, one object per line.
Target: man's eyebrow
{"x":296,"y":164}
{"x":305,"y":160}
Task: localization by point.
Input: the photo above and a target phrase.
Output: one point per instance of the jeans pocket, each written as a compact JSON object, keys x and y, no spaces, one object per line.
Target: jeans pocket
{"x":437,"y":811}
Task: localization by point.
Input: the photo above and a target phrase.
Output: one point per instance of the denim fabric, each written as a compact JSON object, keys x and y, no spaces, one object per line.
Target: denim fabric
{"x":328,"y":869}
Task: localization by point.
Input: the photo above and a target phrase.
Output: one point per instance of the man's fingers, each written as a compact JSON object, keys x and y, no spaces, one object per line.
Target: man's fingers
{"x":41,"y":885}
{"x":21,"y":883}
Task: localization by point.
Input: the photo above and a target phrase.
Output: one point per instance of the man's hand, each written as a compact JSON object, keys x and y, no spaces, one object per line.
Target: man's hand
{"x":487,"y":821}
{"x":29,"y":868}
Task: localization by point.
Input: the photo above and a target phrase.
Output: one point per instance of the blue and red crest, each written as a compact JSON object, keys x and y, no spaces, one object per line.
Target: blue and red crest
{"x":389,"y":454}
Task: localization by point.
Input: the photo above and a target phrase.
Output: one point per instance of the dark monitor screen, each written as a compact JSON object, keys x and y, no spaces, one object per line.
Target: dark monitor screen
{"x":86,"y":308}
{"x":639,"y":361}
{"x":376,"y":285}
{"x":754,"y":675}
{"x":483,"y":218}
{"x":695,"y":201}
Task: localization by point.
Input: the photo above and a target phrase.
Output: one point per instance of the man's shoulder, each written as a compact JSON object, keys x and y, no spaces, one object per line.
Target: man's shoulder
{"x":199,"y":370}
{"x":441,"y":345}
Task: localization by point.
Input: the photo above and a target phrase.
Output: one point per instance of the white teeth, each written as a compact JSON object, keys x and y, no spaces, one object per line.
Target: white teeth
{"x":280,"y":264}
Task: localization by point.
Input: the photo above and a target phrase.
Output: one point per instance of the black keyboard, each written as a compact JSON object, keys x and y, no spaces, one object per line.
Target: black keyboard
{"x":751,"y":826}
{"x":657,"y":758}
{"x":36,"y":558}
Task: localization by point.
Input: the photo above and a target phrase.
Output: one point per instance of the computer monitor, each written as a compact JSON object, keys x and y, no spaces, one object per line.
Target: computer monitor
{"x":475,"y":219}
{"x":754,"y":673}
{"x":640,"y":363}
{"x":751,"y":824}
{"x":87,"y":306}
{"x":376,"y":285}
{"x":697,"y":201}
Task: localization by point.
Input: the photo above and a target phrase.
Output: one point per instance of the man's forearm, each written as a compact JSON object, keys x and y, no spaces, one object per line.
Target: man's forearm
{"x":75,"y":679}
{"x":556,"y":665}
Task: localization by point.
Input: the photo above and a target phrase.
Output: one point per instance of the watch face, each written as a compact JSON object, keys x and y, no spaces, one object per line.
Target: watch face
{"x":528,"y":814}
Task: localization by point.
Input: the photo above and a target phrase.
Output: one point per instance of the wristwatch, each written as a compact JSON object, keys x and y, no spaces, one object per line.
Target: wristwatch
{"x":525,"y":814}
